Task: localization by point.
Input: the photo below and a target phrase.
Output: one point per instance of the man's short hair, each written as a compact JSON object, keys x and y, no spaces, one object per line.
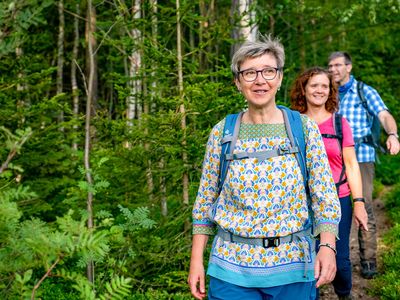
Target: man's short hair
{"x":347,"y":57}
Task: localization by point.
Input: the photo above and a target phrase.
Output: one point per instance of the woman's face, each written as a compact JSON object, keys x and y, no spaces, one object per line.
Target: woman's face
{"x":317,"y":90}
{"x":259,"y":92}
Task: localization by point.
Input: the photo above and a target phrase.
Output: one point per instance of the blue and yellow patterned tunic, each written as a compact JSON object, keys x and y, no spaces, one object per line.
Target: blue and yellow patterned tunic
{"x":265,"y":198}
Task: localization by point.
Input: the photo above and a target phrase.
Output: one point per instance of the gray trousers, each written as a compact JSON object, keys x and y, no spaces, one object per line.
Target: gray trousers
{"x":367,"y":239}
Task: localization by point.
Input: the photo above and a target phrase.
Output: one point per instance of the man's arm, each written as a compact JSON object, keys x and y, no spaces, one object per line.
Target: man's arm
{"x":389,"y":124}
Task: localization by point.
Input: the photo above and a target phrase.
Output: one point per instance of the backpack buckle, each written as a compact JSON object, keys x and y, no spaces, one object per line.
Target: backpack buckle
{"x":283,"y":149}
{"x":271,"y":242}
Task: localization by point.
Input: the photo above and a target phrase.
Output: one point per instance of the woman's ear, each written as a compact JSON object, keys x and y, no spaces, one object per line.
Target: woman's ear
{"x":238,"y":85}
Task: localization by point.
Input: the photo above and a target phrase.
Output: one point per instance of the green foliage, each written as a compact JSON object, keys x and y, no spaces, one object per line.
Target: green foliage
{"x":386,"y":285}
{"x":137,"y":219}
{"x":133,"y":245}
{"x":57,"y":288}
{"x":389,"y":169}
{"x":118,"y":288}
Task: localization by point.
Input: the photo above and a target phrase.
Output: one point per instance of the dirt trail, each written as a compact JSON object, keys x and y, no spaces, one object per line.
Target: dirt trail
{"x":360,"y":285}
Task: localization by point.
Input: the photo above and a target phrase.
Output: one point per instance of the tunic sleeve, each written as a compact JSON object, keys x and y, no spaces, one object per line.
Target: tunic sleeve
{"x":208,"y":188}
{"x":324,"y":200}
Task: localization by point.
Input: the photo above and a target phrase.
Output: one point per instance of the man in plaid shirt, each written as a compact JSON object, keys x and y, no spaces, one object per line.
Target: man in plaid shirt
{"x":340,"y":65}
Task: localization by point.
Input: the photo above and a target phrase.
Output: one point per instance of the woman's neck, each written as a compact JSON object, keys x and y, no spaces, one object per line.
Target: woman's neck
{"x":265,"y":115}
{"x":318,"y":114}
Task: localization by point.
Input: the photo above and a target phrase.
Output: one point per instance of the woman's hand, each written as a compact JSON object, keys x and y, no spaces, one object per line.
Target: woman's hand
{"x":197,"y":277}
{"x":360,"y":216}
{"x":325,"y":266}
{"x":196,"y":280}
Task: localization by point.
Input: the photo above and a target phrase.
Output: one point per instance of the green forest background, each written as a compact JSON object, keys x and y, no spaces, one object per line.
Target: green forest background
{"x":106,"y":106}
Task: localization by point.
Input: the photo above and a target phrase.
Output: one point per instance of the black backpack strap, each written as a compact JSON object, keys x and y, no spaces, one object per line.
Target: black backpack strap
{"x":361,"y":96}
{"x":339,"y":132}
{"x":338,"y":128}
{"x":372,"y":119}
{"x":368,"y":138}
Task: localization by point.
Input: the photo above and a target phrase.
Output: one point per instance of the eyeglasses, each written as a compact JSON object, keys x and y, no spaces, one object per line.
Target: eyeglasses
{"x":268,"y":73}
{"x":336,"y":66}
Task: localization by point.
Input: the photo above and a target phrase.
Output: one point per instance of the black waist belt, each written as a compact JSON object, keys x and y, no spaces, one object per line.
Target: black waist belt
{"x":262,"y":242}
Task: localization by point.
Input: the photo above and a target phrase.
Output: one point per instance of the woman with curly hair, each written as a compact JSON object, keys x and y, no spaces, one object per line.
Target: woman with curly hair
{"x":314,"y":93}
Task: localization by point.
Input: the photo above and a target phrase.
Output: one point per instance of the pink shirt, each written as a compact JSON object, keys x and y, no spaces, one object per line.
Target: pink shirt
{"x":333,"y":150}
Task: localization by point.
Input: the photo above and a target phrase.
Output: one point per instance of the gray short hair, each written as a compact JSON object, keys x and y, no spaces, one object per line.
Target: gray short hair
{"x":337,"y":54}
{"x":252,"y":49}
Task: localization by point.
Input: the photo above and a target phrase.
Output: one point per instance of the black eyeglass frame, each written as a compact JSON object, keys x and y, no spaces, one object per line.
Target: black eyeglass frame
{"x":336,"y":66}
{"x":260,"y":71}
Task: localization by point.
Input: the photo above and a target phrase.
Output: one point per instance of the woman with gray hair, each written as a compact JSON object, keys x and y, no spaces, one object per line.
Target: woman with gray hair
{"x":264,"y":246}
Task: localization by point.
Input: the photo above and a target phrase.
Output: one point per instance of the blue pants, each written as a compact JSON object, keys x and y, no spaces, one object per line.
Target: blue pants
{"x":222,"y":290}
{"x":342,"y":282}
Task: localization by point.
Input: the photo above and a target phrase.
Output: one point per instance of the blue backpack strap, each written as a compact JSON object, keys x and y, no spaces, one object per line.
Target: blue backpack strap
{"x":294,"y":129}
{"x":228,"y":141}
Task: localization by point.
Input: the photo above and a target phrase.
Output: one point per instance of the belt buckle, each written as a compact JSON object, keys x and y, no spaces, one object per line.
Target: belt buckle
{"x":271,"y":242}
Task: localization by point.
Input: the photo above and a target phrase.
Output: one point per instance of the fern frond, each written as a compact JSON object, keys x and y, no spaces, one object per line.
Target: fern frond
{"x":118,"y":288}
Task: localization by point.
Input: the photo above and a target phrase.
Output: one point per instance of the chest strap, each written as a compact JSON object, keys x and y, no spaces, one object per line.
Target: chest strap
{"x":263,"y":242}
{"x":262,"y":155}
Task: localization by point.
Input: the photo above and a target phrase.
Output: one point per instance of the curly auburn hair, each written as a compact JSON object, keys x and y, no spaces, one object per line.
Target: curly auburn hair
{"x":298,"y":93}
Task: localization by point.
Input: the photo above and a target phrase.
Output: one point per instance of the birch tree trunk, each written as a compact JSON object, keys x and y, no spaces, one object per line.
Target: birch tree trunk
{"x":60,"y":55}
{"x":74,"y":84}
{"x":91,"y":86}
{"x":185,"y":175}
{"x":134,"y":108}
{"x":246,"y":28}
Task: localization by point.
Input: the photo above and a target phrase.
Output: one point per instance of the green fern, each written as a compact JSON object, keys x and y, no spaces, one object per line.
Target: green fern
{"x":118,"y":288}
{"x":137,"y":219}
{"x":81,"y":284}
{"x":17,"y":194}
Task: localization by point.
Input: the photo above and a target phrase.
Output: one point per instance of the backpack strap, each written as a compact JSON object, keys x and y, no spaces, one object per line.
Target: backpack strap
{"x":375,"y":126}
{"x":361,"y":96}
{"x":360,"y":92}
{"x":228,"y":141}
{"x":294,"y":129}
{"x":338,"y":129}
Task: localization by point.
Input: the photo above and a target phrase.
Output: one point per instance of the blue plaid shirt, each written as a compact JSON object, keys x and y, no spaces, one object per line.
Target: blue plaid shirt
{"x":352,"y":109}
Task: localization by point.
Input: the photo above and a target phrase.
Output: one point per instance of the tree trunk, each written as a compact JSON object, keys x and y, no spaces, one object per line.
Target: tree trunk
{"x":90,"y":38}
{"x":154,"y":94}
{"x":21,"y":103}
{"x":163,"y":190}
{"x":202,"y":29}
{"x":74,"y":84}
{"x":272,"y":21}
{"x":301,"y":43}
{"x":60,"y":55}
{"x":91,"y":91}
{"x":134,"y":108}
{"x":185,"y":176}
{"x":246,"y":28}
